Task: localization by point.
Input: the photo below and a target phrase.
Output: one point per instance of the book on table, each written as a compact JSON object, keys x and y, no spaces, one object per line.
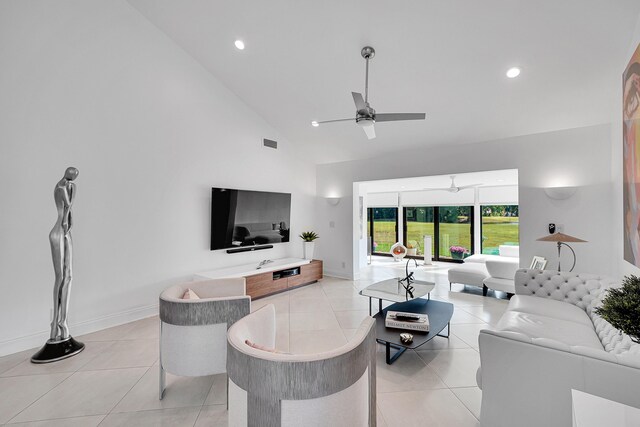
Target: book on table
{"x":409,"y":321}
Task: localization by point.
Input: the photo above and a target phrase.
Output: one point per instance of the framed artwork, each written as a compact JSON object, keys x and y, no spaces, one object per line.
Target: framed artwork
{"x":631,"y":158}
{"x":538,"y":263}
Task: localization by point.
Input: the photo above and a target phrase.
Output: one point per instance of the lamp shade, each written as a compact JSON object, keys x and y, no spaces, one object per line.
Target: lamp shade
{"x":560,"y":237}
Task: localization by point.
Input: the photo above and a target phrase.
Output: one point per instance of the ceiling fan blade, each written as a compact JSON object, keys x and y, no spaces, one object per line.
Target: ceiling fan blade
{"x":392,"y":117}
{"x":359,"y":101}
{"x":463,"y":187}
{"x":370,"y":131}
{"x":337,"y":120}
{"x":437,"y":189}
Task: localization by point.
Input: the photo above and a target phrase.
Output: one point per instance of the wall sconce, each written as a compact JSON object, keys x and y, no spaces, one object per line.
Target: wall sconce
{"x":333,"y":201}
{"x":560,"y":193}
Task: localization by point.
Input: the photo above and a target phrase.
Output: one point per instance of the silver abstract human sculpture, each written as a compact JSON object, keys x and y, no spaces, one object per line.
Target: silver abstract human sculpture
{"x":61,"y":252}
{"x":60,"y":344}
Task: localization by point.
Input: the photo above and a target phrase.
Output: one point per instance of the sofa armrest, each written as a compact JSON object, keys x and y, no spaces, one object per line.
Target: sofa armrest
{"x":530,"y":380}
{"x":502,"y":269}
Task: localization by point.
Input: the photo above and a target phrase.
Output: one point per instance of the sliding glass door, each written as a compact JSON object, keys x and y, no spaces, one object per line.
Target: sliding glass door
{"x":500,"y":226}
{"x":419,"y":221}
{"x":455,"y":232}
{"x":383,"y":229}
{"x":451,"y":227}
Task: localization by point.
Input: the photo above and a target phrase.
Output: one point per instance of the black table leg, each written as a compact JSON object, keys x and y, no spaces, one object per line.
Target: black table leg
{"x":379,"y":305}
{"x":369,"y":306}
{"x":390,"y":358}
{"x":448,"y":331}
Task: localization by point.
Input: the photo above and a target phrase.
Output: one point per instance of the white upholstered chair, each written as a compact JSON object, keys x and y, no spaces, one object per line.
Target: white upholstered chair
{"x":193,"y":332}
{"x":333,"y":388}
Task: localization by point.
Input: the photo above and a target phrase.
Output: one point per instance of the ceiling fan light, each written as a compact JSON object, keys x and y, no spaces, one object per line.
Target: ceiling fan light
{"x":514,"y":72}
{"x":239,"y":44}
{"x":315,"y":124}
{"x":365,"y":122}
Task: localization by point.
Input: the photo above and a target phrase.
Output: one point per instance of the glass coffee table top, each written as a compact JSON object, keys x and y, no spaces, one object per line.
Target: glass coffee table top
{"x":390,"y":290}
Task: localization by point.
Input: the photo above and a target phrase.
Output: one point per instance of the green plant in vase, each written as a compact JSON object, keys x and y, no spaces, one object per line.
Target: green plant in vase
{"x":309,"y":236}
{"x":308,"y":244}
{"x":621,"y":307}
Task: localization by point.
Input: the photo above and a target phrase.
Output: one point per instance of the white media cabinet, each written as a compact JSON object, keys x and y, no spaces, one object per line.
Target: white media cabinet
{"x":278,"y":276}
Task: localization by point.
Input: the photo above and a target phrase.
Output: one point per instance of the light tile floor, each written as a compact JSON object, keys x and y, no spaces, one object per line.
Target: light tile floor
{"x":114,"y":382}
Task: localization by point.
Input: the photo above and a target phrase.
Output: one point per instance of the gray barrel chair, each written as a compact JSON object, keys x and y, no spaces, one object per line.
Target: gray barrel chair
{"x":193,"y":333}
{"x":268,"y":389}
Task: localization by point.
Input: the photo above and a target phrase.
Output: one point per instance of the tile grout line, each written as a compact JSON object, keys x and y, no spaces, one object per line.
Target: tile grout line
{"x":45,"y":393}
{"x":463,"y":404}
{"x":125,"y":395}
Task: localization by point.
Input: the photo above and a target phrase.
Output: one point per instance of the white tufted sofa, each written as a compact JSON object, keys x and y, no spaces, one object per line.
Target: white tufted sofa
{"x":549,"y":341}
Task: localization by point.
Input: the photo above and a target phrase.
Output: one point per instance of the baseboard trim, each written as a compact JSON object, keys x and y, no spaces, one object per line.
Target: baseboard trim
{"x":27,"y":342}
{"x":337,"y":275}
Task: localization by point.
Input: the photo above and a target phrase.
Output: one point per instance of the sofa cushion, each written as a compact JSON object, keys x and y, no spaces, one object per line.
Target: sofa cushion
{"x":537,"y":326}
{"x":549,"y":308}
{"x":468,"y":274}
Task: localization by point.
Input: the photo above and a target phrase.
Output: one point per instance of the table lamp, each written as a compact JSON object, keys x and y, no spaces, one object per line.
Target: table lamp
{"x":561,"y":239}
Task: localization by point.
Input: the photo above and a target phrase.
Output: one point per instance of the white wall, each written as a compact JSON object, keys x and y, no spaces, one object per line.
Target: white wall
{"x":580,"y":157}
{"x":616,"y":166}
{"x":94,"y":85}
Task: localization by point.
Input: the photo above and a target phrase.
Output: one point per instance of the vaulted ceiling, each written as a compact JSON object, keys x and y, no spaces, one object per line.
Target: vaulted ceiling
{"x":445,"y":58}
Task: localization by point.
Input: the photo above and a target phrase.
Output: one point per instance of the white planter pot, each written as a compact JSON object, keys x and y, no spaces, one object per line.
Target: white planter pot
{"x":308,"y":248}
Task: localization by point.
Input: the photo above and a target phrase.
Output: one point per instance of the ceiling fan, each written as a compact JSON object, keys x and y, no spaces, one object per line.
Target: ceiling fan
{"x":454,"y":188}
{"x":366,"y":116}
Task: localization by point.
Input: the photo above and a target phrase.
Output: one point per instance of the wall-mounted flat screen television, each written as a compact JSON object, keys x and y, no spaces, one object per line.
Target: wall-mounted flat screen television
{"x":248,"y":218}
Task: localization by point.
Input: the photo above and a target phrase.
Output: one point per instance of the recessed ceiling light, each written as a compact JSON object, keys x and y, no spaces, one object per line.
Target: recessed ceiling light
{"x":239,"y":44}
{"x":315,"y":124}
{"x":514,"y":72}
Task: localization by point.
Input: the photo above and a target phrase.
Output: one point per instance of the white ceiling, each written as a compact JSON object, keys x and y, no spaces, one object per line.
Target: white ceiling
{"x":445,"y":58}
{"x":495,"y":178}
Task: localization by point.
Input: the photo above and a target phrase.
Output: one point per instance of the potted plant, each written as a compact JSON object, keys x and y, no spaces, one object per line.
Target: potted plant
{"x":621,"y":307}
{"x":412,"y":247}
{"x":308,"y":243}
{"x":458,"y":252}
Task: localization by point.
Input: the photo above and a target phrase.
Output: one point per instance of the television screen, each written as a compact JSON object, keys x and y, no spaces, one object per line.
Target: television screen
{"x":248,"y":218}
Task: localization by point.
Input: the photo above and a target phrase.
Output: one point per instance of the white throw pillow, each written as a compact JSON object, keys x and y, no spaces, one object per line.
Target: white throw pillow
{"x":189,"y":294}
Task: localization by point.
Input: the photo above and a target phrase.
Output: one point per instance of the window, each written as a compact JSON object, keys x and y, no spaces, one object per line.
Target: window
{"x":383,"y":228}
{"x":419,"y":221}
{"x":500,"y":226}
{"x":455,"y":229}
{"x":448,"y":225}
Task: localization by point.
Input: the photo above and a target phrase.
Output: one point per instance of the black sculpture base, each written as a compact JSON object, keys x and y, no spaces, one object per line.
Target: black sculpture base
{"x":53,"y":351}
